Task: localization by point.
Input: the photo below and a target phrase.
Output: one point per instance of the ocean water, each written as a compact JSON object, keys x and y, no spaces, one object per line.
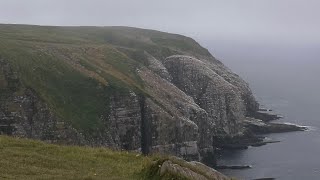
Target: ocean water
{"x":284,"y":78}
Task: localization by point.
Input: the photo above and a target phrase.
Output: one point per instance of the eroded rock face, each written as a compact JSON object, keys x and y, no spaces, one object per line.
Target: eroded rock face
{"x":186,"y":104}
{"x":176,"y":117}
{"x":218,"y":97}
{"x":251,"y":104}
{"x":157,"y":67}
{"x":24,"y":114}
{"x":119,"y":125}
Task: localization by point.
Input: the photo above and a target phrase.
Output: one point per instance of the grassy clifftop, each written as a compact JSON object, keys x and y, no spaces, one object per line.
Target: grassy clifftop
{"x":28,"y":159}
{"x":75,"y":69}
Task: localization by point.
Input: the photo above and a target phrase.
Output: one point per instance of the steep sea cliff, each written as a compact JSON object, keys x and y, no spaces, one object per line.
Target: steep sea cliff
{"x":123,"y":88}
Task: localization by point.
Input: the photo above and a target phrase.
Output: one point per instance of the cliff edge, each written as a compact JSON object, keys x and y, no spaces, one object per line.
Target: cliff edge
{"x":119,"y":87}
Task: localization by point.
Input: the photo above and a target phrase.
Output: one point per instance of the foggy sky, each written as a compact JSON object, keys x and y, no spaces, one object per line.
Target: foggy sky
{"x":291,"y":21}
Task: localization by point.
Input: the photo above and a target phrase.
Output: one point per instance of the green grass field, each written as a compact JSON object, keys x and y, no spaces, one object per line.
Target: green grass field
{"x":27,"y":159}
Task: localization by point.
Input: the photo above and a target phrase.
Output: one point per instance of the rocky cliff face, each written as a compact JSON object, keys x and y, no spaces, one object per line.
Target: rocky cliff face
{"x":181,"y":117}
{"x":219,"y":98}
{"x":24,"y":114}
{"x":187,"y":101}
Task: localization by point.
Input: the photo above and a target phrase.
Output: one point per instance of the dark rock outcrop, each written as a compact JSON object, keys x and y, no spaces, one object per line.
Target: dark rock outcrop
{"x":265,"y":116}
{"x":260,"y":127}
{"x":190,"y":170}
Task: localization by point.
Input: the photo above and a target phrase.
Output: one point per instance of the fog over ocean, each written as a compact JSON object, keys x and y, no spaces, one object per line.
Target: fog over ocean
{"x":285,"y":78}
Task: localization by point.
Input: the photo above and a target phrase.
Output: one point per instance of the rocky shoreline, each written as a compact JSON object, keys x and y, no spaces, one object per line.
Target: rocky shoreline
{"x":256,"y":128}
{"x":239,"y":167}
{"x":260,"y":127}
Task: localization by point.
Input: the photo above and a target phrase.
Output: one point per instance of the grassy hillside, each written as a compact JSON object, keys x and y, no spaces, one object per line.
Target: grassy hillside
{"x":75,"y":69}
{"x":28,"y":159}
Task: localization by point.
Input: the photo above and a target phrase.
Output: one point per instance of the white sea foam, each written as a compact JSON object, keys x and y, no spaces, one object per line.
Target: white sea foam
{"x":308,"y":128}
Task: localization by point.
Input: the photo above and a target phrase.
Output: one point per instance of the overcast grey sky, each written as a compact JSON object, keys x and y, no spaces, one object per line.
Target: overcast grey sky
{"x":280,"y":20}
